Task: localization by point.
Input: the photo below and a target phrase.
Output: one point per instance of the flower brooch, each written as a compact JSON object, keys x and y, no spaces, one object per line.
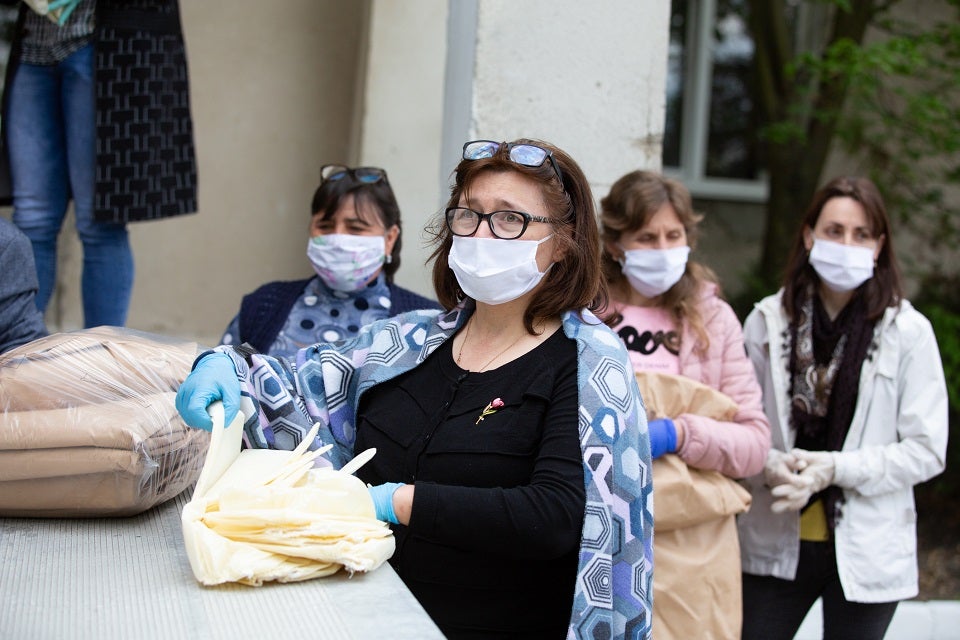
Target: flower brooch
{"x":490,"y":409}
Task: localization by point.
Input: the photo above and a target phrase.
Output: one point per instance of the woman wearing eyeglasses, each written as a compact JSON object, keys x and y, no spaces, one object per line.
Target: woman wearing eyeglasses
{"x":681,"y":337}
{"x":512,"y":453}
{"x":354,"y":247}
{"x":855,"y":391}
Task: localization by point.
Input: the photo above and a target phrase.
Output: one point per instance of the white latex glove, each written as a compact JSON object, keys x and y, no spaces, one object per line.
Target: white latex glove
{"x":791,"y":496}
{"x":780,"y":468}
{"x":782,"y":474}
{"x":819,"y":467}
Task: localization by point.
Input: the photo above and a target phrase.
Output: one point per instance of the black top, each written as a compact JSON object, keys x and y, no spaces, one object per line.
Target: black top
{"x":491,"y":549}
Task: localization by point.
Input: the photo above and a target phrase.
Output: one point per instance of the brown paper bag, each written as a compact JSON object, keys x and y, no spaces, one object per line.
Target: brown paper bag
{"x":696,"y":585}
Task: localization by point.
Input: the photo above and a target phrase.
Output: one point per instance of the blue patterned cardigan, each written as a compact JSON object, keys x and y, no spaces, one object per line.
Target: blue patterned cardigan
{"x":614,"y":589}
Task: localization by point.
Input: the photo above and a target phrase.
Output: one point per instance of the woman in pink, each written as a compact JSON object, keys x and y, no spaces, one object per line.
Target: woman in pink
{"x":668,"y":311}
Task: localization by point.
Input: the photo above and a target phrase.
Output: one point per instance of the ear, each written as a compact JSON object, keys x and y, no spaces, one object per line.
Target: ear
{"x":876,"y":252}
{"x":558,"y":253}
{"x":390,"y":239}
{"x":613,"y":250}
{"x":808,"y":238}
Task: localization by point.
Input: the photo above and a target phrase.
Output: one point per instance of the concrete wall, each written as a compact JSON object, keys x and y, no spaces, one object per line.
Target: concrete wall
{"x":588,"y":77}
{"x":440,"y":74}
{"x":278,"y":89}
{"x":402,"y":113}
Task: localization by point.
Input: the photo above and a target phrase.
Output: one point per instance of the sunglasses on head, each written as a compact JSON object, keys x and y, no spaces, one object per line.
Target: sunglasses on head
{"x":366,"y":175}
{"x":522,"y":153}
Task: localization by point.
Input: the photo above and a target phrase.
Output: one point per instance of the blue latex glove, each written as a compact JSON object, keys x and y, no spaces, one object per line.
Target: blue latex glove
{"x":67,"y":5}
{"x":382,"y":495}
{"x":214,"y":378}
{"x":663,"y":437}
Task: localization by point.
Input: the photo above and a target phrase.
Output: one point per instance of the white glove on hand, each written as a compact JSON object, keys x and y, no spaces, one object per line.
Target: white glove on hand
{"x":780,"y":468}
{"x":818,"y":466}
{"x":791,"y":496}
{"x":782,"y":473}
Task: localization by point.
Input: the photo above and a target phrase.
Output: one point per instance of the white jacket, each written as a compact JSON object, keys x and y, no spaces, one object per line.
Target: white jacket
{"x":897,"y":438}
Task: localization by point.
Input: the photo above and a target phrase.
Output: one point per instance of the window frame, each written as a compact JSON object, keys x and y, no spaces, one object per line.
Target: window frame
{"x":695,"y":117}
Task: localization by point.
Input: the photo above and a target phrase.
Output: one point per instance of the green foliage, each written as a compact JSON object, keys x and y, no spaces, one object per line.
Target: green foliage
{"x":754,"y":287}
{"x":891,"y":103}
{"x":901,"y":120}
{"x":939,"y":301}
{"x":946,"y":325}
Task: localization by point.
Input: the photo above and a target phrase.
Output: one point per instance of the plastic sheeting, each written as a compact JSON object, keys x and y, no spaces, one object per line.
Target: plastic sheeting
{"x":88,"y":425}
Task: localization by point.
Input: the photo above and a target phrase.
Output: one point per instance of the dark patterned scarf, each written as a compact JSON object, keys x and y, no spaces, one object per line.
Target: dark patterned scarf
{"x":825,"y":362}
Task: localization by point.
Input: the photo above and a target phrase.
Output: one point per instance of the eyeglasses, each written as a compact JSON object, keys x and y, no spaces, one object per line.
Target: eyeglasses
{"x":366,"y":175}
{"x":506,"y":225}
{"x":528,"y":155}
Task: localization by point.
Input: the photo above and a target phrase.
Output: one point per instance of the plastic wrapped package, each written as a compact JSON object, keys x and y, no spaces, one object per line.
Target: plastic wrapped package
{"x":88,"y":425}
{"x":260,"y":515}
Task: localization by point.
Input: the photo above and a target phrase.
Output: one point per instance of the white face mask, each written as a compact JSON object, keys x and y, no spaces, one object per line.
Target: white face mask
{"x":495,"y":271}
{"x":841,"y":267}
{"x":346,"y":262}
{"x":653,"y":271}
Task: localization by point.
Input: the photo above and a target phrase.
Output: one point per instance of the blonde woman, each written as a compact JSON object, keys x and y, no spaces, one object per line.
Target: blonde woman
{"x":669,"y":313}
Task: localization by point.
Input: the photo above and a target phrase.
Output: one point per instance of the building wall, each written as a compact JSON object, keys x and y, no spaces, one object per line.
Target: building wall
{"x":278,"y":89}
{"x":400,"y":127}
{"x":589,"y":77}
{"x":502,"y":70}
{"x":273,"y":95}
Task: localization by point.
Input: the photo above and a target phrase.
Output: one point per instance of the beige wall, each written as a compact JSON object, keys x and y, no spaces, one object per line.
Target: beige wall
{"x":272,"y":102}
{"x":402,"y":112}
{"x":279,"y":89}
{"x":273,"y":95}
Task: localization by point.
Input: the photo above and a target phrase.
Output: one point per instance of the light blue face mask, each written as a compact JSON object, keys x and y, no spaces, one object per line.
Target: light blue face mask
{"x":495,"y":271}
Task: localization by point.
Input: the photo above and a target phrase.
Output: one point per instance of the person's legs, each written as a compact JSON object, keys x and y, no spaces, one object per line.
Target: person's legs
{"x":774,"y":609}
{"x":38,"y":167}
{"x":845,"y":620}
{"x":107,"y":280}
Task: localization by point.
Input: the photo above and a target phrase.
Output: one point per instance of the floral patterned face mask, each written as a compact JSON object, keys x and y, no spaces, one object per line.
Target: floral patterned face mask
{"x":346,"y":262}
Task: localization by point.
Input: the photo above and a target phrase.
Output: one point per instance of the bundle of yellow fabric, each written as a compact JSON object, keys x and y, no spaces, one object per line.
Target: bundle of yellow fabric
{"x":260,"y":515}
{"x":88,"y":425}
{"x":695,"y":544}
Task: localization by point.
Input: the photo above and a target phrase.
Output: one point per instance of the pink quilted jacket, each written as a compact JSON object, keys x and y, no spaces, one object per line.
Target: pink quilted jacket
{"x":737,"y":449}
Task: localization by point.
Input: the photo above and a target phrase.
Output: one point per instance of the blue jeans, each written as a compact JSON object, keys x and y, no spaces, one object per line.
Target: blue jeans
{"x":51,"y":138}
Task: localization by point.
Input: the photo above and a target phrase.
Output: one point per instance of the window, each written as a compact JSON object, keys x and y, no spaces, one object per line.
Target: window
{"x":711,"y":141}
